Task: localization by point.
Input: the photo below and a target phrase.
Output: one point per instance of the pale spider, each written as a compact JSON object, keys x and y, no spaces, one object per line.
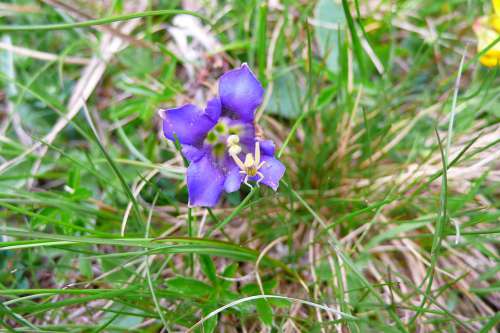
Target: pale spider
{"x":252,"y":164}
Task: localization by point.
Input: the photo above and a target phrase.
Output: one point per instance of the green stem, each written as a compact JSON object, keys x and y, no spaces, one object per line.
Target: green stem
{"x":233,"y":213}
{"x":190,"y":234}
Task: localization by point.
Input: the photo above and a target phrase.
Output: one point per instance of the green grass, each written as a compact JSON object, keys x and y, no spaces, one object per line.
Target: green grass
{"x":387,"y":219}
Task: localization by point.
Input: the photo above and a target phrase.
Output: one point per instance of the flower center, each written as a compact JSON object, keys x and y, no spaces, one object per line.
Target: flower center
{"x":218,"y":135}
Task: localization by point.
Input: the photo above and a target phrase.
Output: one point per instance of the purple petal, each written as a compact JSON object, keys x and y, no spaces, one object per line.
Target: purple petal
{"x":273,"y":170}
{"x":205,"y":182}
{"x":267,"y":147}
{"x":213,"y":109}
{"x":240,"y":92}
{"x":247,"y":138}
{"x":192,"y":153}
{"x":188,"y":123}
{"x":233,"y":177}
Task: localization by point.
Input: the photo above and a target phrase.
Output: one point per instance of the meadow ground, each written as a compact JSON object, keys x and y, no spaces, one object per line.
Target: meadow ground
{"x":387,"y":218}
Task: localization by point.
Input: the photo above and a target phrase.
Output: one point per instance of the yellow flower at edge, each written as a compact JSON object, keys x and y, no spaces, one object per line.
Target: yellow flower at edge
{"x":487,"y":29}
{"x":496,"y":6}
{"x":495,"y":18}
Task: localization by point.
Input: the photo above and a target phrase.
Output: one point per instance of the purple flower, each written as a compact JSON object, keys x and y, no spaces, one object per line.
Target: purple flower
{"x":220,"y":142}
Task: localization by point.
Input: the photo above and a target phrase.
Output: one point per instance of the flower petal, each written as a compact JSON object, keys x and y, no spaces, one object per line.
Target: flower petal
{"x":192,"y":153}
{"x":213,"y":109}
{"x":240,"y":92}
{"x":205,"y":182}
{"x":233,"y":177}
{"x":273,"y":170}
{"x":188,"y":123}
{"x":267,"y":147}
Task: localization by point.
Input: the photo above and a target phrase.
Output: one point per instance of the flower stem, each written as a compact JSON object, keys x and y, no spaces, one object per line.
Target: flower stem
{"x":190,"y":235}
{"x":233,"y":213}
{"x":178,"y":147}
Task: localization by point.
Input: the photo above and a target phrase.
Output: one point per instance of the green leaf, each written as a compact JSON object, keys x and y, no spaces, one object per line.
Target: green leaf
{"x":210,"y":324}
{"x":208,"y":268}
{"x":264,"y":311}
{"x":393,"y":232}
{"x":228,"y":272}
{"x":74,"y":178}
{"x":110,"y":265}
{"x":330,"y":23}
{"x":85,"y":266}
{"x":139,"y":61}
{"x":81,"y":194}
{"x":189,"y":287}
{"x":286,"y":96}
{"x":253,"y":288}
{"x":125,"y":321}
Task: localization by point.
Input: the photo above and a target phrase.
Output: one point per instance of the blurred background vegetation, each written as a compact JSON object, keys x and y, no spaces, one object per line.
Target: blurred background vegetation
{"x":387,"y":220}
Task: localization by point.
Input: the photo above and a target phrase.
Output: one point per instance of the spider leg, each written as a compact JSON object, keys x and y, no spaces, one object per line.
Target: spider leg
{"x":261,"y":177}
{"x":257,"y":153}
{"x":247,"y":183}
{"x":261,"y":165}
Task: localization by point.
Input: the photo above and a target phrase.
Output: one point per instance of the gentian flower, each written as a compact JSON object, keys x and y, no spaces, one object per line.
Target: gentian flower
{"x":487,"y":29}
{"x":220,"y":142}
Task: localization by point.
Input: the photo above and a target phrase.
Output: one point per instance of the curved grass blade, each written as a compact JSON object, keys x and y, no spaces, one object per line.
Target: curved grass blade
{"x":180,"y":245}
{"x":101,"y":21}
{"x":115,"y":169}
{"x":256,"y":297}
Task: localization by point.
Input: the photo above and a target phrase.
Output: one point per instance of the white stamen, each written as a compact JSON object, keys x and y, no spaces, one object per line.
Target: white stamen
{"x":233,"y":140}
{"x":234,"y":150}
